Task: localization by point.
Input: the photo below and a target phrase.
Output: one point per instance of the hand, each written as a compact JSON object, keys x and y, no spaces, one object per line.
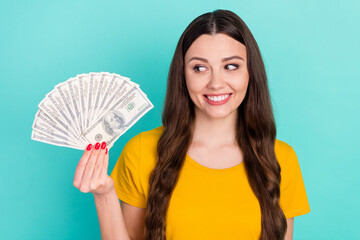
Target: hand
{"x":91,"y":171}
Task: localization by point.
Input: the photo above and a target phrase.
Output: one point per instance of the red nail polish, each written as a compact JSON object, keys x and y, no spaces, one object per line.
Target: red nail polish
{"x":97,"y":146}
{"x":103,"y":145}
{"x":106,"y":151}
{"x":89,"y":147}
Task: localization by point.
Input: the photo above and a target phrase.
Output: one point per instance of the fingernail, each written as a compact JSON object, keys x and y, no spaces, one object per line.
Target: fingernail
{"x":97,"y":145}
{"x":106,"y":151}
{"x":89,"y":147}
{"x":103,"y":145}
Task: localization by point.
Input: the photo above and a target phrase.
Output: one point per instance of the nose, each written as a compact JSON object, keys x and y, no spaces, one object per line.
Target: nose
{"x":216,"y":80}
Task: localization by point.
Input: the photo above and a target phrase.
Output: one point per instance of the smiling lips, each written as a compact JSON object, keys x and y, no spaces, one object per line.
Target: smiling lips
{"x":217,"y":99}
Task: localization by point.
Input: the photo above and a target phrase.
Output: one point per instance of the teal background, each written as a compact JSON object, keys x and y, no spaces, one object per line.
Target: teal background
{"x":311,"y":52}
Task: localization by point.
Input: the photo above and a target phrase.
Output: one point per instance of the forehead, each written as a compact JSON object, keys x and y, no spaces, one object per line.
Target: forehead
{"x":217,"y":45}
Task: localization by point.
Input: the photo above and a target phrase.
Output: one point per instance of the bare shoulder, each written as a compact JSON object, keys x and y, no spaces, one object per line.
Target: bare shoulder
{"x":134,"y":218}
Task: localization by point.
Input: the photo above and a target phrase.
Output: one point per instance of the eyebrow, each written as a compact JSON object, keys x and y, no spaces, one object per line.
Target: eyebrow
{"x":222,"y":60}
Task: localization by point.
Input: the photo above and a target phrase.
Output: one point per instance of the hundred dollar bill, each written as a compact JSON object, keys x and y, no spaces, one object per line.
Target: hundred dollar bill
{"x":50,"y":133}
{"x":108,"y":90}
{"x":64,"y":91}
{"x":103,"y":84}
{"x":124,"y":86}
{"x":126,"y":79}
{"x":83,"y":89}
{"x":118,"y":119}
{"x":108,"y":84}
{"x":38,"y":136}
{"x":113,"y":86}
{"x":89,"y":101}
{"x":43,"y":123}
{"x":54,"y":110}
{"x":73,"y":85}
{"x":94,"y":85}
{"x":88,"y":108}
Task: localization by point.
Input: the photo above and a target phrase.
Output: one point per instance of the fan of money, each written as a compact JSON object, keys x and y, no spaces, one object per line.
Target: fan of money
{"x":89,"y":108}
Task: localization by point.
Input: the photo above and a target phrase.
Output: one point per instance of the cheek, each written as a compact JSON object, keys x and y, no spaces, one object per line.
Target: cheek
{"x":191,"y":92}
{"x":240,"y":89}
{"x":242,"y":84}
{"x":194,"y":85}
{"x":194,"y":90}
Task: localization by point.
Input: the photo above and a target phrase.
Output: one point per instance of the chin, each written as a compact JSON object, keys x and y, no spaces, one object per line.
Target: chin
{"x":213,"y":113}
{"x":219,"y":115}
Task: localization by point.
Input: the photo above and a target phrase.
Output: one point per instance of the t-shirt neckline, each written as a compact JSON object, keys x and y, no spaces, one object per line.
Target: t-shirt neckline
{"x":203,"y":168}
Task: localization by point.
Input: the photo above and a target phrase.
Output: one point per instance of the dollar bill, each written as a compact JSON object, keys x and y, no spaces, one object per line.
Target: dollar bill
{"x":54,"y":110}
{"x":73,"y":86}
{"x":83,"y":92}
{"x":38,"y":136}
{"x":94,"y":81}
{"x":89,"y":108}
{"x":117,"y":120}
{"x":103,"y":82}
{"x":64,"y":91}
{"x":43,"y":123}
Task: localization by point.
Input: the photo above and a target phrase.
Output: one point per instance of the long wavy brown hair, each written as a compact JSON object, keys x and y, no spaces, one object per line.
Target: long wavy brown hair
{"x":255,"y":131}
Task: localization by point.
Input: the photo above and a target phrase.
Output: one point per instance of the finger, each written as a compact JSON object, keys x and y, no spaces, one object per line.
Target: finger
{"x":104,"y":178}
{"x":81,"y":166}
{"x":104,"y":171}
{"x":98,"y":167}
{"x":89,"y":168}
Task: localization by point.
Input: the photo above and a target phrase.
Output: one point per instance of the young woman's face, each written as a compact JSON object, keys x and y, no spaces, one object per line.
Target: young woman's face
{"x":216,"y":75}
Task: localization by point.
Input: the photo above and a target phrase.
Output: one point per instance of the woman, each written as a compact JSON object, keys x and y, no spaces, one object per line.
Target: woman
{"x":214,"y":170}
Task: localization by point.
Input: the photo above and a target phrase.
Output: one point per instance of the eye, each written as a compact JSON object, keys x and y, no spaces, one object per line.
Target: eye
{"x":199,"y":68}
{"x":231,"y":66}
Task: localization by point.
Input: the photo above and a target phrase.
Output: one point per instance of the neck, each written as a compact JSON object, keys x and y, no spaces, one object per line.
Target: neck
{"x":214,"y":131}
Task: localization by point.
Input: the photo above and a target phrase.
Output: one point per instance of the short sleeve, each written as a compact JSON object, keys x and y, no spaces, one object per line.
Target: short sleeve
{"x":126,"y":175}
{"x":293,"y":198}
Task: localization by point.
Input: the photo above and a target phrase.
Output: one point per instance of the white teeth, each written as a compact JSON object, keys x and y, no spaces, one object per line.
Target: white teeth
{"x":218,"y":98}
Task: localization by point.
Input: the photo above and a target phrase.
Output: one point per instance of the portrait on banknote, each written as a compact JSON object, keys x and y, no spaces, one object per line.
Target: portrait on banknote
{"x":113,"y":122}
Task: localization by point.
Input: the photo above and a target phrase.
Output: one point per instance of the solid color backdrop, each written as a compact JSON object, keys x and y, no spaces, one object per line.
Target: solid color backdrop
{"x":311,"y":54}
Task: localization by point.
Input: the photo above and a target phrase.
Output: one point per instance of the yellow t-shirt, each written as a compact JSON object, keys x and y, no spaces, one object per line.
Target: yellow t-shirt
{"x":207,"y":203}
